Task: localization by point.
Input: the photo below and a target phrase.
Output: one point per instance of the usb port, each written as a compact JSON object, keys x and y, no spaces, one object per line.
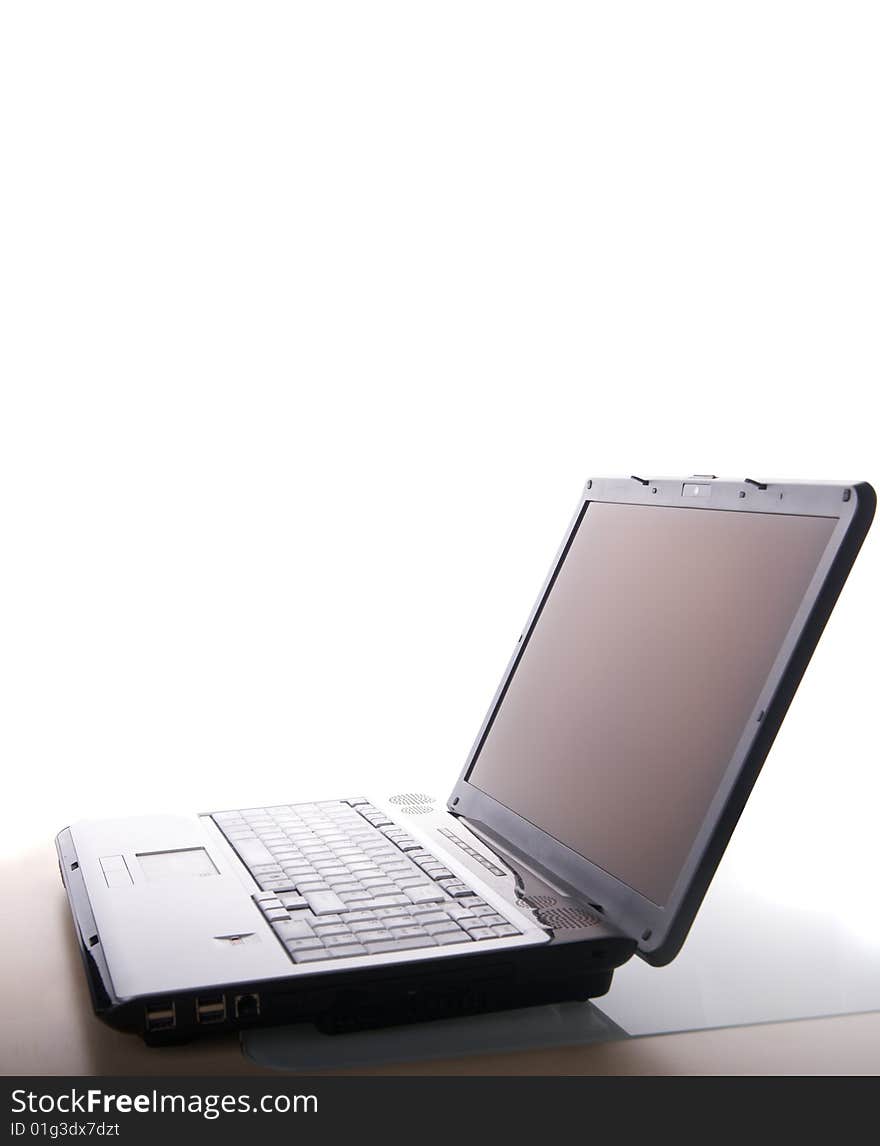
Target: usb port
{"x":211,"y":1008}
{"x":160,"y":1016}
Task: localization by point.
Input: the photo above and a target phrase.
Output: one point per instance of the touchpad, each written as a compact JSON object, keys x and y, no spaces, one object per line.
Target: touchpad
{"x":181,"y":864}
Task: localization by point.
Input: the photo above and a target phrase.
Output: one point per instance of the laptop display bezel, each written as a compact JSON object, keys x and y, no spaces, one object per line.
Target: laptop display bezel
{"x":661,"y":930}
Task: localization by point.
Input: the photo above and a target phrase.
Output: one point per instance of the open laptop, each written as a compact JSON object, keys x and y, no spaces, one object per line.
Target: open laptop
{"x":628,"y":729}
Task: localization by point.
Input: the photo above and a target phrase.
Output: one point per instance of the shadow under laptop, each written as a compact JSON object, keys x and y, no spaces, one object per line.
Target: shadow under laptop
{"x":303,"y":1048}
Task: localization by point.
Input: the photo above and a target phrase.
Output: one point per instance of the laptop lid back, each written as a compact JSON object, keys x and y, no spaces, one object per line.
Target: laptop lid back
{"x":650,"y":681}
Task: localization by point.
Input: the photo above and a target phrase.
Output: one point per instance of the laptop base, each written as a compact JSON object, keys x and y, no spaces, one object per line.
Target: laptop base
{"x":575,"y":965}
{"x":374,"y":1006}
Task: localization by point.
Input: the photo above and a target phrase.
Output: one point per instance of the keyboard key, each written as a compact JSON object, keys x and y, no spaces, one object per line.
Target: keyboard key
{"x":406,"y":932}
{"x":425,"y":894}
{"x":253,"y":852}
{"x":440,"y":928}
{"x":344,"y":952}
{"x":339,"y":940}
{"x":446,"y":937}
{"x":292,"y":928}
{"x":356,"y":898}
{"x":383,"y":946}
{"x":304,"y":944}
{"x":506,"y":929}
{"x":314,"y":955}
{"x":324,"y":902}
{"x":325,"y":930}
{"x":395,"y":919}
{"x":383,"y":890}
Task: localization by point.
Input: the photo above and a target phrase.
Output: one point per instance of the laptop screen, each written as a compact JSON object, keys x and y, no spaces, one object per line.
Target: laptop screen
{"x":639,"y":676}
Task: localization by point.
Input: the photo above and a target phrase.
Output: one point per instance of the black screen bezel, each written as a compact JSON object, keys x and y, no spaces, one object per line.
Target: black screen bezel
{"x":660,"y":930}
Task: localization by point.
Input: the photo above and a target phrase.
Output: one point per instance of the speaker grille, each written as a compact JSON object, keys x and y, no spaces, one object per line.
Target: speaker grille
{"x":543,"y":900}
{"x":559,"y":917}
{"x":566,"y":918}
{"x":411,"y":798}
{"x":417,"y":809}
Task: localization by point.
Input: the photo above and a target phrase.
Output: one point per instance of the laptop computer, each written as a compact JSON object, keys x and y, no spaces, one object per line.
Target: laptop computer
{"x":593,"y":808}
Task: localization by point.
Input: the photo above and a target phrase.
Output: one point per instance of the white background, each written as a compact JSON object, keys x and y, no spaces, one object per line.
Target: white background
{"x":316,"y":317}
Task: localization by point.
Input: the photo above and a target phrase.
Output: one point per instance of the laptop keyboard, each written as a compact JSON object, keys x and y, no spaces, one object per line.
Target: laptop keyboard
{"x":339,"y":878}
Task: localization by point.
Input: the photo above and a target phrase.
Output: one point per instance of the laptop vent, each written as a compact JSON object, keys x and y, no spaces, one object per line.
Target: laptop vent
{"x":411,"y":798}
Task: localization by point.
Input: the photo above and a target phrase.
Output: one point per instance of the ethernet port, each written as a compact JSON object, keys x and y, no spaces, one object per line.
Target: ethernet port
{"x":210,"y":1009}
{"x":247,"y":1006}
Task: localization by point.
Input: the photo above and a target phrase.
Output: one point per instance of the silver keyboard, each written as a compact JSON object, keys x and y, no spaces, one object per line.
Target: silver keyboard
{"x":339,"y":878}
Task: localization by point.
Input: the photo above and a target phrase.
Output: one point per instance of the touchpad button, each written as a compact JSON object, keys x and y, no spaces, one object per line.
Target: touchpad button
{"x":116,"y":871}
